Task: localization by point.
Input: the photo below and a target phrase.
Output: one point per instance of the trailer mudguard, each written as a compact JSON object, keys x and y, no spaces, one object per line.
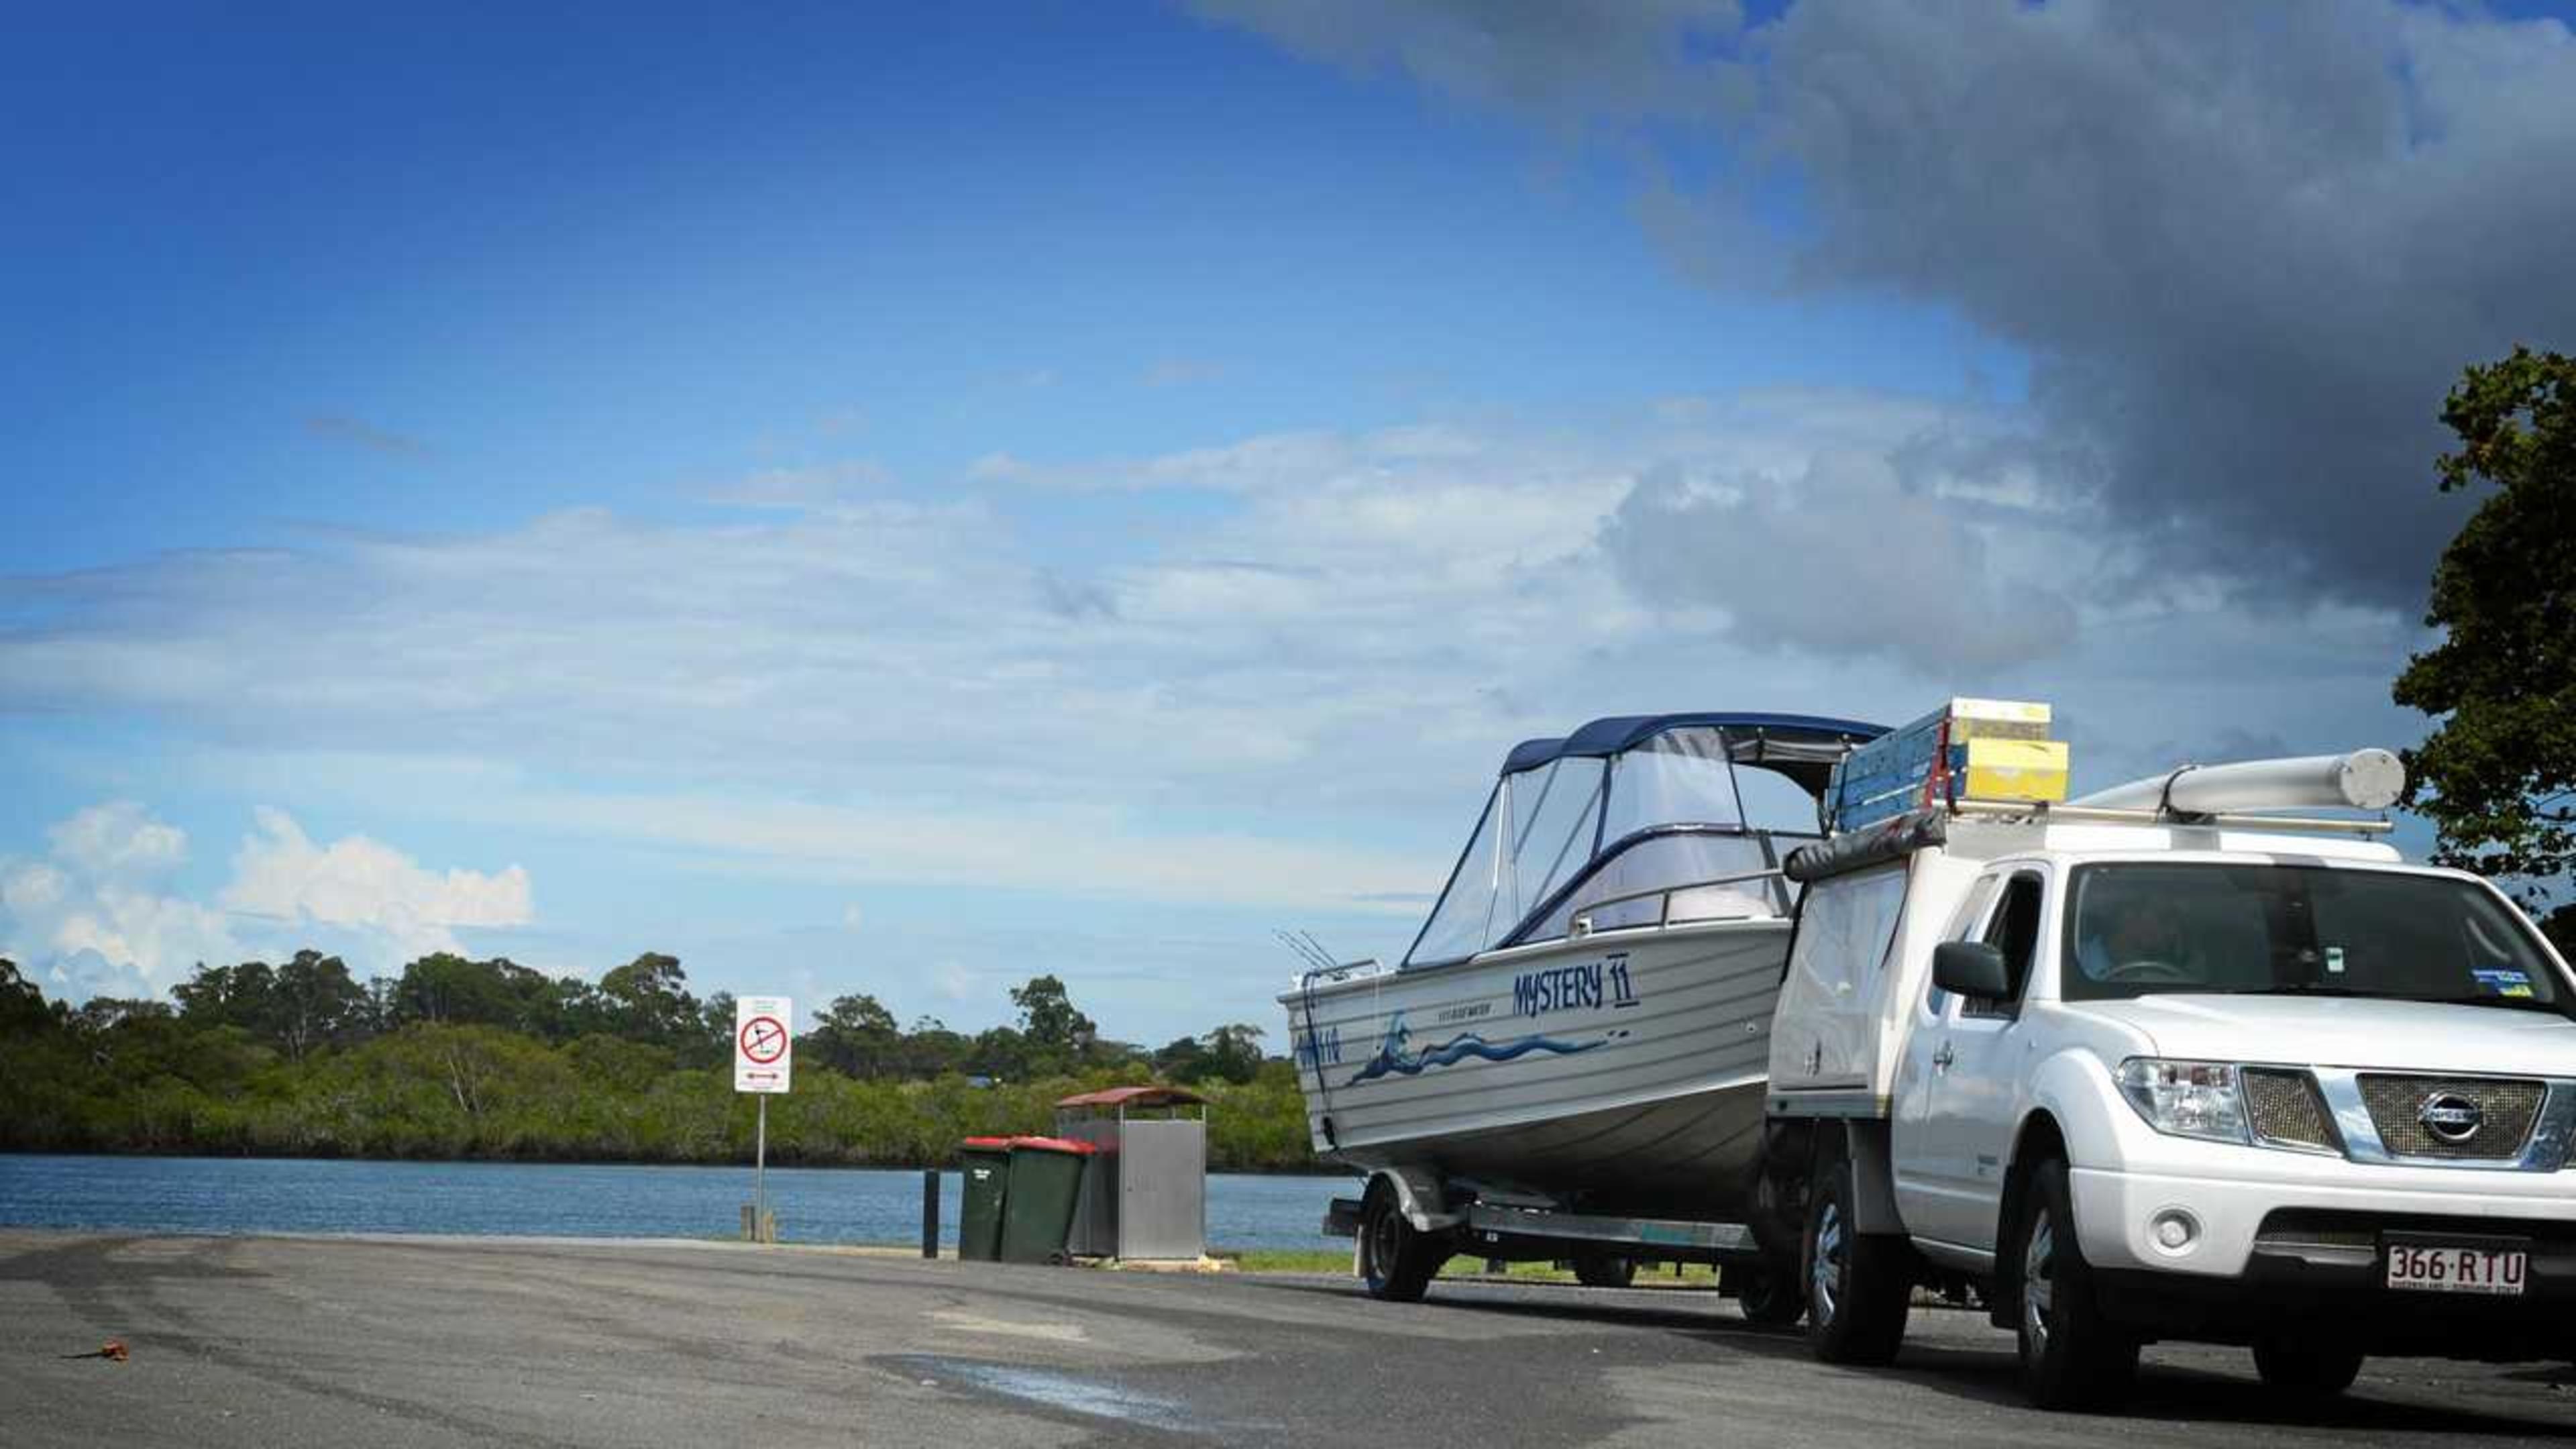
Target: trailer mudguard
{"x":1418,"y":1195}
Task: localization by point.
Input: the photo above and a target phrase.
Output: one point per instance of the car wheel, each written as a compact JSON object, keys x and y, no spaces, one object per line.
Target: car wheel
{"x":1859,"y":1286}
{"x":2072,"y":1356}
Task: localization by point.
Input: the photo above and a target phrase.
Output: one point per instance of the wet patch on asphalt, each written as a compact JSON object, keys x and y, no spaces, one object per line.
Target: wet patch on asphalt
{"x":1087,"y":1396}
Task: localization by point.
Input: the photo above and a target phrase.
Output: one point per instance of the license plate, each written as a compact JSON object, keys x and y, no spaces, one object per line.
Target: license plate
{"x":2446,"y":1268}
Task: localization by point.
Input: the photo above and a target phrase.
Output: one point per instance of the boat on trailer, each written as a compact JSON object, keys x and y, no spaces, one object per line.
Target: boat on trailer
{"x":1583,"y":1022}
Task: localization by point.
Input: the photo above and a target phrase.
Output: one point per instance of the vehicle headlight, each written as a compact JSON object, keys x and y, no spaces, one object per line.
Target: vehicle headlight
{"x":2187,"y":1099}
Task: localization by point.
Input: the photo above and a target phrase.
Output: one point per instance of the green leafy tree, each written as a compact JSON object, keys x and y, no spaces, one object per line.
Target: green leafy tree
{"x":309,"y":1002}
{"x":1002,"y":1054}
{"x":226,"y":995}
{"x":313,"y":1003}
{"x":1185,"y":1059}
{"x":2497,"y":776}
{"x":648,"y":1000}
{"x":856,"y":1036}
{"x":624,"y":1066}
{"x":1234,"y":1052}
{"x":123,"y":1075}
{"x":930,"y":1049}
{"x":710,"y":1046}
{"x":1054,"y":1034}
{"x":580,"y":1010}
{"x":22,"y":1003}
{"x":444,"y":989}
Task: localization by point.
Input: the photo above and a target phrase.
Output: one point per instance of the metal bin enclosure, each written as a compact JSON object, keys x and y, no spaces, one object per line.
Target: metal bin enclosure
{"x":985,"y":1165}
{"x":1037,"y":1208}
{"x":1145,"y":1197}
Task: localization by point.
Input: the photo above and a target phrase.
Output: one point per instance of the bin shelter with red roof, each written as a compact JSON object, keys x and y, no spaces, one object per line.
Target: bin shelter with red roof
{"x":1145,"y":1198}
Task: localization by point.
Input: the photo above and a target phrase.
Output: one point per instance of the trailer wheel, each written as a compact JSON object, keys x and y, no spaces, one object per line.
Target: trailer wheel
{"x":1859,"y":1286}
{"x":1397,"y":1260}
{"x":2072,"y":1355}
{"x":1771,"y":1296}
{"x":1604,"y":1270}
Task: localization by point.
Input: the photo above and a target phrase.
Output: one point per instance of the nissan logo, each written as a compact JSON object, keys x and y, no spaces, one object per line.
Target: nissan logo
{"x":2453,"y":1118}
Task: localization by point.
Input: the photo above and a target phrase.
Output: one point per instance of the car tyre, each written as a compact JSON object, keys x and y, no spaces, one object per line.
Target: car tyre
{"x":2072,"y":1355}
{"x":1858,"y":1286}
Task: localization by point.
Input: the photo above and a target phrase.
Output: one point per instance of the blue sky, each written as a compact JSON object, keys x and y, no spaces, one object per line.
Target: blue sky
{"x":874,"y":501}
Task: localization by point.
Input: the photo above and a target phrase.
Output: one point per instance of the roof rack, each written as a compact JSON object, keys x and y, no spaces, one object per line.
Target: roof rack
{"x":2044,"y":813}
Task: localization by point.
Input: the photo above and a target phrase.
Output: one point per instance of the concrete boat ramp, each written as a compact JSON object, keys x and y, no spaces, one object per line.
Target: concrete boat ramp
{"x":334,"y":1342}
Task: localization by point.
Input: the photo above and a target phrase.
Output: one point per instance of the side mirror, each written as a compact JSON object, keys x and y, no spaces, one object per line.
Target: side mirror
{"x":1972,"y":969}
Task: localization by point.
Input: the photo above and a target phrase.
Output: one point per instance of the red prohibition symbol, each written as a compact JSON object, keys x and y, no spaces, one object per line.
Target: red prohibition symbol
{"x":764,"y":1040}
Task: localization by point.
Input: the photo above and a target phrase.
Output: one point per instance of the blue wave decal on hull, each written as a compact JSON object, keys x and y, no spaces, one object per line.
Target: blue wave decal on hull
{"x":1393,"y":1060}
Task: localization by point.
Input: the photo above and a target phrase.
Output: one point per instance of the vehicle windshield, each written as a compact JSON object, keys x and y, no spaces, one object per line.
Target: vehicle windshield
{"x":2148,"y":928}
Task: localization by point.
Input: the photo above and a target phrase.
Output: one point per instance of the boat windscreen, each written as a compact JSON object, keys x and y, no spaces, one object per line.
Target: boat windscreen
{"x":1556,"y":815}
{"x":1538,"y":830}
{"x":1463,"y":923}
{"x":1680,"y":777}
{"x":1550,"y":825}
{"x":1734,"y":865}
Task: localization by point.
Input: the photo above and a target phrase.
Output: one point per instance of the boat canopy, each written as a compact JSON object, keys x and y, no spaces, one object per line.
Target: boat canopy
{"x":1633,"y":803}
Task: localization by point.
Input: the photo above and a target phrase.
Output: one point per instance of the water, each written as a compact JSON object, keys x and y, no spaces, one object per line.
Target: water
{"x":814,"y":1205}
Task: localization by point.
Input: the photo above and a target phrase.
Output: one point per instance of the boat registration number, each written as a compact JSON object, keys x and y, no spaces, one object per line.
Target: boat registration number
{"x":2457,"y":1268}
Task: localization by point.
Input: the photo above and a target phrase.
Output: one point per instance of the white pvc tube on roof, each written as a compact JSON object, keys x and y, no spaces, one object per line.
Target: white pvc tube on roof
{"x":2362,"y":780}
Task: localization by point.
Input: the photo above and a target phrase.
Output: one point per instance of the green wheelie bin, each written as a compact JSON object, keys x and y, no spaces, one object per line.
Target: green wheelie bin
{"x":985,"y":1163}
{"x":1046,"y":1182}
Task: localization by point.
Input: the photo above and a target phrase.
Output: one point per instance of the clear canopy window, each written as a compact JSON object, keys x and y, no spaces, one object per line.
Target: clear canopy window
{"x":1630,"y":805}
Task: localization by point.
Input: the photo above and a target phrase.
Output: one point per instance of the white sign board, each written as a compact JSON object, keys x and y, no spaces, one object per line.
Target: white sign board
{"x":763,"y":1039}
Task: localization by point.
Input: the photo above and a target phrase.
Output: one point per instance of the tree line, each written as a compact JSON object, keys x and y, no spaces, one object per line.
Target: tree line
{"x":462,"y":1058}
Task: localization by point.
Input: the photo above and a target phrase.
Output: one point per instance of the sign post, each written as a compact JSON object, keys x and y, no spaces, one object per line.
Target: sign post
{"x":763,"y":1034}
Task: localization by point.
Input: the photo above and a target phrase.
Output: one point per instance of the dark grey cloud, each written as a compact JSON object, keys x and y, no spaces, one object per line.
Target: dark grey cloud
{"x":1625,"y":60}
{"x":2247,"y":248}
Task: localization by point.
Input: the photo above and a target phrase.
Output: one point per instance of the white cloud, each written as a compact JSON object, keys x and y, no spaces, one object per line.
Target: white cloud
{"x":1282,"y":697}
{"x":94,"y":918}
{"x":118,"y":839}
{"x":281,"y":874}
{"x":158,"y":938}
{"x":97,"y":917}
{"x":32,"y":888}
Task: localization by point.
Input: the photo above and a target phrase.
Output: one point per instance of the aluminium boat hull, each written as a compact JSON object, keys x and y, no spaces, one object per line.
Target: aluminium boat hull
{"x":1620,"y":1071}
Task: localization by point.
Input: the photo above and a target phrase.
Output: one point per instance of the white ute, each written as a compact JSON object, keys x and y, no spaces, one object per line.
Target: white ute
{"x":2147,"y":1067}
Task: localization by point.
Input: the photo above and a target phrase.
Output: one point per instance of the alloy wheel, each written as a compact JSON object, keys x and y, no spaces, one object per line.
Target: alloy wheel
{"x":1827,"y":1272}
{"x":2038,"y":1283}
